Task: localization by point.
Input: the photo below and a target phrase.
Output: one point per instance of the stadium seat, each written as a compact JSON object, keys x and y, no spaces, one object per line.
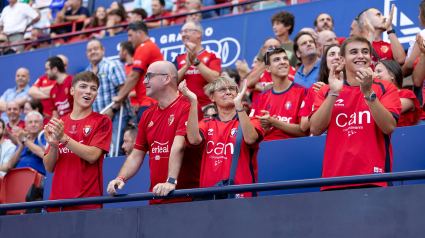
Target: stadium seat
{"x":21,"y":185}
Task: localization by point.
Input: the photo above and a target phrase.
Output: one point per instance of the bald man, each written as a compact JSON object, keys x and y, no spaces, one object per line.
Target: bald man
{"x":325,"y":37}
{"x":41,"y":89}
{"x":161,"y":133}
{"x":19,"y":94}
{"x":112,"y":77}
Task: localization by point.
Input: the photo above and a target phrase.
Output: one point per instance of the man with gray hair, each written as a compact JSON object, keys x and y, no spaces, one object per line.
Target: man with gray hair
{"x":28,"y":152}
{"x":325,"y":37}
{"x":198,"y":65}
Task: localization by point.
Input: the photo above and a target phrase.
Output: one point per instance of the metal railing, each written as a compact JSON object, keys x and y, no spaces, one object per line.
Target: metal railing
{"x":282,"y":185}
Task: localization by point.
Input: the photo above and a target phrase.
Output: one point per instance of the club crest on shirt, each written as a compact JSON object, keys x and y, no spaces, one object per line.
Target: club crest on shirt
{"x":171,"y":119}
{"x":233,"y":132}
{"x":384,"y":48}
{"x":150,"y":124}
{"x":205,"y":59}
{"x":74,"y":130}
{"x":54,"y":95}
{"x":288,"y":105}
{"x":87,"y":130}
{"x":45,"y":81}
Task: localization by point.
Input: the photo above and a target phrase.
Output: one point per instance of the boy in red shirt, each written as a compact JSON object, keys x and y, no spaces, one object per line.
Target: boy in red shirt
{"x":77,"y":144}
{"x":161,"y":132}
{"x":360,"y":114}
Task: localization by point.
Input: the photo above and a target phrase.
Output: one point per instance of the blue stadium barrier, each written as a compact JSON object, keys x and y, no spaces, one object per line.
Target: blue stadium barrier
{"x":239,"y":40}
{"x":283,"y":160}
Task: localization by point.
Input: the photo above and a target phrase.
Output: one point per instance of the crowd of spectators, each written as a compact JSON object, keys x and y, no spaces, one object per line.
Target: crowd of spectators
{"x":317,"y":84}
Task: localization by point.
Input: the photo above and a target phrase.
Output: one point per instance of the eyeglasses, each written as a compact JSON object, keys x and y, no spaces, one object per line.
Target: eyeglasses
{"x":269,"y":51}
{"x":187,"y":31}
{"x":2,"y":41}
{"x":148,"y":76}
{"x":232,"y":89}
{"x":210,"y":115}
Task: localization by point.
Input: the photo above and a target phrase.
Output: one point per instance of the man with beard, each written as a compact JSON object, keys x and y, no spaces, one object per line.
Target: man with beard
{"x":325,"y":22}
{"x":158,"y":11}
{"x":41,"y":89}
{"x":61,"y":99}
{"x":198,"y":66}
{"x":305,"y":48}
{"x":385,"y":51}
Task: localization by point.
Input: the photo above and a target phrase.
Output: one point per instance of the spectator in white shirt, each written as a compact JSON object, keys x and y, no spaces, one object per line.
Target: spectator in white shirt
{"x":14,"y":21}
{"x":7,"y":148}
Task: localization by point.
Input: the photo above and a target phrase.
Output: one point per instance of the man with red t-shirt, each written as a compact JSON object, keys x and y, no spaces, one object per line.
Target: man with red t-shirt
{"x":77,"y":144}
{"x":60,"y":96}
{"x":385,"y":51}
{"x":158,"y":12}
{"x":360,"y":113}
{"x":161,"y":133}
{"x":41,"y":89}
{"x":146,"y":53}
{"x":126,"y":55}
{"x":198,"y":65}
{"x":277,"y":108}
{"x":13,"y":112}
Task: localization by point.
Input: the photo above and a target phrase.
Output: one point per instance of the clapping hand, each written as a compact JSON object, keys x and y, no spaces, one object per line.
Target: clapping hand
{"x":335,"y":84}
{"x":266,"y":120}
{"x":365,"y":78}
{"x":56,"y":130}
{"x":389,"y":22}
{"x":186,"y":92}
{"x":239,"y":98}
{"x":420,"y":43}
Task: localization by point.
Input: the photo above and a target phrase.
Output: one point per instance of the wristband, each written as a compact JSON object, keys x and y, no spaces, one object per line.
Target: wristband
{"x":67,"y":140}
{"x":114,"y":110}
{"x":121,"y":178}
{"x":241,"y":110}
{"x":333,"y":94}
{"x":391,"y":31}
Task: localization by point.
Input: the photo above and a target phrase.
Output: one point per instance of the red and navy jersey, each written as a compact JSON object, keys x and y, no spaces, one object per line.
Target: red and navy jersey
{"x":284,"y":105}
{"x":42,"y":82}
{"x":409,"y":118}
{"x":157,"y":130}
{"x":75,"y":177}
{"x":144,"y":55}
{"x":61,"y":98}
{"x":355,"y":144}
{"x":20,"y":124}
{"x":384,"y":51}
{"x":218,"y":145}
{"x":307,"y":104}
{"x":266,"y":79}
{"x":195,"y":81}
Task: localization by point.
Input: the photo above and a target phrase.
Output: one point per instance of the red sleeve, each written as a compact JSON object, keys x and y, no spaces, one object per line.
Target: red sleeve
{"x":259,"y":130}
{"x":103,"y":135}
{"x":37,"y":83}
{"x":391,"y":101}
{"x":307,"y":103}
{"x":52,"y":102}
{"x":200,"y":113}
{"x":215,"y":64}
{"x":141,"y":142}
{"x":202,"y":131}
{"x":182,"y":123}
{"x":406,"y":93}
{"x":141,"y":59}
{"x":320,"y":98}
{"x":414,"y":66}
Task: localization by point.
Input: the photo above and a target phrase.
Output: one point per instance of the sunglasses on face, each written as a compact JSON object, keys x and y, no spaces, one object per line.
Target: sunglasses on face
{"x":232,"y":89}
{"x":210,"y":115}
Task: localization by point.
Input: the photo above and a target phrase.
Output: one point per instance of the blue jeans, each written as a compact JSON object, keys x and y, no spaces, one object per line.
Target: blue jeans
{"x":115,"y":122}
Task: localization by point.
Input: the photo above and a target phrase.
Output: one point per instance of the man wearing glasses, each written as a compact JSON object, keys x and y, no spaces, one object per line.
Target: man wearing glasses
{"x":277,"y":108}
{"x":146,"y":53}
{"x":161,"y":132}
{"x":198,"y":65}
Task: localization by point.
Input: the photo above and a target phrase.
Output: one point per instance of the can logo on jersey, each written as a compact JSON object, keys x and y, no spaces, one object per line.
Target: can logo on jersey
{"x":171,"y":119}
{"x":233,"y":132}
{"x":87,"y":130}
{"x":384,"y":48}
{"x":288,"y":105}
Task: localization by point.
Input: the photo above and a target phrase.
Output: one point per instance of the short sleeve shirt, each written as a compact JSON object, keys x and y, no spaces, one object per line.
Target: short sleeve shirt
{"x":29,"y":159}
{"x":195,"y":81}
{"x":145,"y":54}
{"x":42,"y":82}
{"x":15,"y":19}
{"x":384,"y":51}
{"x":266,"y":79}
{"x":61,"y":98}
{"x":218,"y":146}
{"x":157,"y":130}
{"x":362,"y":148}
{"x":307,"y":104}
{"x":87,"y":179}
{"x":10,"y":95}
{"x":7,"y":150}
{"x":310,"y":78}
{"x":285,"y":105}
{"x":409,"y":118}
{"x":81,"y":11}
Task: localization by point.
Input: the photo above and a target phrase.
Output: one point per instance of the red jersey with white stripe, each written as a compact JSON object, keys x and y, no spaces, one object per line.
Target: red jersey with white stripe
{"x":145,"y":54}
{"x":61,"y":98}
{"x":355,"y":144}
{"x":409,"y":118}
{"x":384,"y":51}
{"x":285,"y":105}
{"x":42,"y":82}
{"x":307,"y":104}
{"x":195,"y":81}
{"x":75,"y":177}
{"x":218,"y":145}
{"x":157,"y":130}
{"x":266,"y":79}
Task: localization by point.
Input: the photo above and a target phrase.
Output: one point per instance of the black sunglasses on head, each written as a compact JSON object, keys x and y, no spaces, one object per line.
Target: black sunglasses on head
{"x":268,"y":52}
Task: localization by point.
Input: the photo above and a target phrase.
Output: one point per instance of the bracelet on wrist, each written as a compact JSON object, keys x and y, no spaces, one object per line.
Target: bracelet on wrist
{"x":240,"y":110}
{"x":67,"y":140}
{"x":333,"y":94}
{"x":121,"y":178}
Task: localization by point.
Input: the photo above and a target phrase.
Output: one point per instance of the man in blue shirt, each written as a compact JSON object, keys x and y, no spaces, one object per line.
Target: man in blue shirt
{"x":72,"y":11}
{"x":28,"y":152}
{"x":19,"y":94}
{"x":306,"y":51}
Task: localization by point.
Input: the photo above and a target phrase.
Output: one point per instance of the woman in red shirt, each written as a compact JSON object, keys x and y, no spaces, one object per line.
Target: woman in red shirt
{"x":389,"y":70}
{"x":217,"y":136}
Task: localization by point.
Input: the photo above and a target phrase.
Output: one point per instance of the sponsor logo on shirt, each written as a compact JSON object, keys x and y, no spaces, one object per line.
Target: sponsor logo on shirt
{"x":159,"y":148}
{"x":87,"y":129}
{"x":74,"y":130}
{"x":138,"y":62}
{"x":284,"y":119}
{"x":150,"y":124}
{"x":354,"y":122}
{"x":62,"y":106}
{"x":210,"y":132}
{"x":339,"y":102}
{"x":288,"y":105}
{"x":192,"y":71}
{"x":183,"y":62}
{"x":233,"y":132}
{"x":171,"y":119}
{"x":218,"y":152}
{"x":377,"y":170}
